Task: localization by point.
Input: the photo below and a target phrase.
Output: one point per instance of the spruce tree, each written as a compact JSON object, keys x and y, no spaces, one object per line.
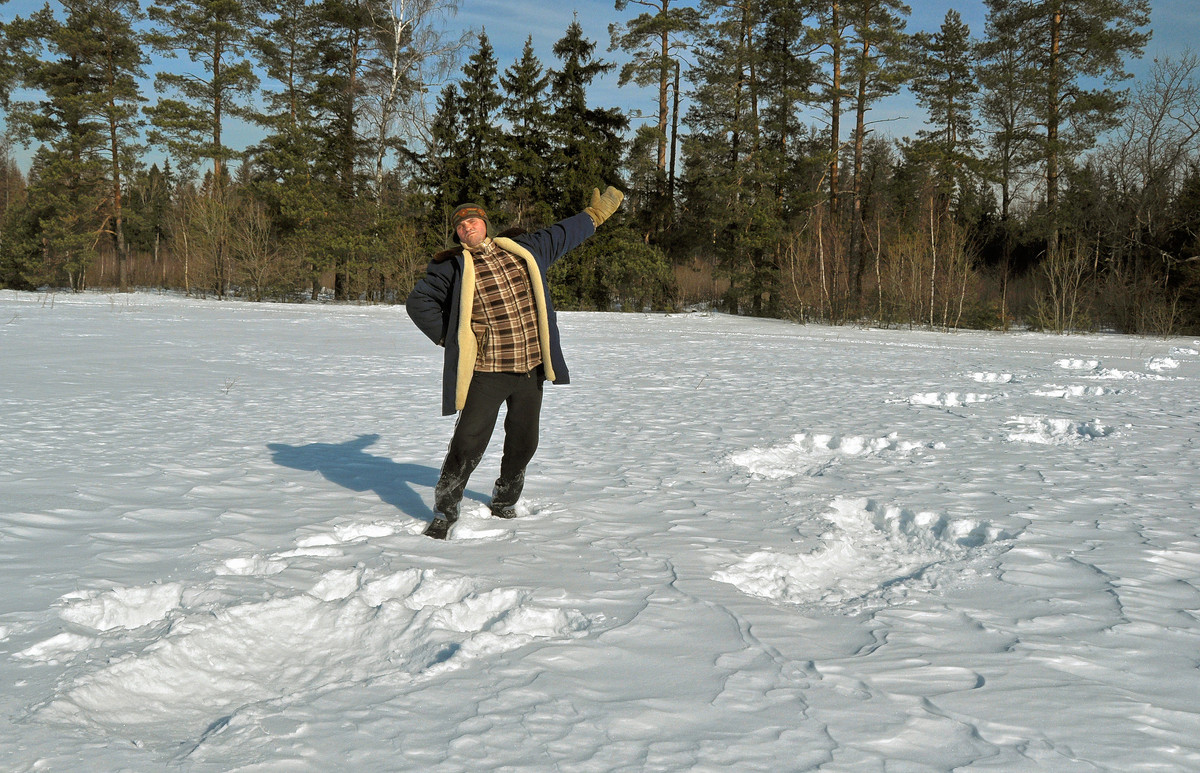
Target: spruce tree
{"x":587,"y":141}
{"x":479,"y":111}
{"x":526,"y":170}
{"x":443,"y":168}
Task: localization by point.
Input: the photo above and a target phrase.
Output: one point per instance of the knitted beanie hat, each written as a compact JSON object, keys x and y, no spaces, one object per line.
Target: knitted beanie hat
{"x":464,"y":212}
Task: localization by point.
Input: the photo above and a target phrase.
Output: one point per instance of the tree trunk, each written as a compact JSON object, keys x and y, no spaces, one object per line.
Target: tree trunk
{"x":1052,"y":121}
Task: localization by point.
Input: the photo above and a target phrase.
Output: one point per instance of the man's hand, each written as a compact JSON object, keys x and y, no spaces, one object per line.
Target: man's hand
{"x":604,"y":204}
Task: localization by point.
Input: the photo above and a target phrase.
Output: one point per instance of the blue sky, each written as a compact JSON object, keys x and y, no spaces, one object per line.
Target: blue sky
{"x":509,"y":22}
{"x":1175,"y":23}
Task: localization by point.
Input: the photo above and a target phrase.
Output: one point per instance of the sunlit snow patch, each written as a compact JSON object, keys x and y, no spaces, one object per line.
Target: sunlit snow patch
{"x":868,"y":547}
{"x":1039,"y":429}
{"x":809,"y":454}
{"x":252,"y":566}
{"x":992,"y":378}
{"x":126,"y":608}
{"x":58,"y":648}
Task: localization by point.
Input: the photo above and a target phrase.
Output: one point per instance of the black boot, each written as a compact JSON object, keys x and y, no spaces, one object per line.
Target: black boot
{"x":505,"y":495}
{"x":439,"y":527}
{"x":446,"y":497}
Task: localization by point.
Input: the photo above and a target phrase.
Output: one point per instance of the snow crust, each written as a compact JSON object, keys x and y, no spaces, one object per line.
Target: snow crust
{"x":745,"y":545}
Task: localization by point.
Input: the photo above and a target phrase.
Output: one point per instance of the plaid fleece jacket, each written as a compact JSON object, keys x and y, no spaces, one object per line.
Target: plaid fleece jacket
{"x":442,"y":304}
{"x":504,"y":315}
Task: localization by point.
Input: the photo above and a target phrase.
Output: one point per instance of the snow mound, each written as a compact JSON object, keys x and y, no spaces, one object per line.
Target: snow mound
{"x":992,"y":378}
{"x":1113,"y":374}
{"x":1042,"y":430}
{"x":1070,"y":364}
{"x":1186,"y":351}
{"x":867,"y":548}
{"x":349,"y":628}
{"x":809,"y":454}
{"x":1054,"y":390}
{"x":949,"y":399}
{"x":1159,"y":364}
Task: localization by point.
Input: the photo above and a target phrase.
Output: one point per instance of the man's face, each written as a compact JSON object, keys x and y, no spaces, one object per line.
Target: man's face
{"x":471,"y":232}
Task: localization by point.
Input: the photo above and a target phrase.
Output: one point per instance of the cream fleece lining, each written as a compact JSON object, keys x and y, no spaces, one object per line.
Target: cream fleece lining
{"x":468,"y":347}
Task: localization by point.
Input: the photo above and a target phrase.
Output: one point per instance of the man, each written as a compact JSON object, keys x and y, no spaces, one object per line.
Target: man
{"x":489,"y":305}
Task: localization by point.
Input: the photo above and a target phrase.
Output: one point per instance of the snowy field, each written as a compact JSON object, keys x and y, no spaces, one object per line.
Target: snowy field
{"x":746,"y":545}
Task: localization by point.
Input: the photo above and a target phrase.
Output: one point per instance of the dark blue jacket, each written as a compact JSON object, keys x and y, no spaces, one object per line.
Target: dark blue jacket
{"x":441,"y":301}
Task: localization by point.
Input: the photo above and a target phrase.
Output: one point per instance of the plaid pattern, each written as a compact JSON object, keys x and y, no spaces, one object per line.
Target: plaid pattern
{"x":503,"y":315}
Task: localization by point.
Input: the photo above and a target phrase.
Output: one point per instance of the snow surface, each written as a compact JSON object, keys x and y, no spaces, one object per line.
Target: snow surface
{"x":746,"y":545}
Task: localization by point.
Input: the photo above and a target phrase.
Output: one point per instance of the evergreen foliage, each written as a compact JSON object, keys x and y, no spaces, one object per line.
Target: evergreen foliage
{"x":1042,"y":190}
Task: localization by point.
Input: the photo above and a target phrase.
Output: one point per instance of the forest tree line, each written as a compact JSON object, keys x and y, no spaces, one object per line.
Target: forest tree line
{"x":1047,"y":188}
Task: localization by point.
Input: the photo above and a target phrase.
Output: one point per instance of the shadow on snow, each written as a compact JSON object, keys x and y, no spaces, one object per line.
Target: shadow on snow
{"x":348,"y":465}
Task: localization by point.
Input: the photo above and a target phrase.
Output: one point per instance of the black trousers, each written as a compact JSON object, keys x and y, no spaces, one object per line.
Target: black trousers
{"x":522,"y":393}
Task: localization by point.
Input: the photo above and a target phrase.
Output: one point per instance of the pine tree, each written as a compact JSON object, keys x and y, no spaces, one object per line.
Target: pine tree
{"x":212,"y":34}
{"x":730,"y":190}
{"x":284,"y":44}
{"x":347,"y":45}
{"x":788,"y":75}
{"x":64,"y":62}
{"x":1071,"y":45}
{"x":877,"y":70}
{"x":653,"y":39}
{"x":830,"y":35}
{"x":105,"y":31}
{"x":1008,"y":82}
{"x":8,"y":72}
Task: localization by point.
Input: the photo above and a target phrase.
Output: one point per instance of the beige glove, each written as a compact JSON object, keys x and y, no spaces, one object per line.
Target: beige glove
{"x":603,"y":205}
